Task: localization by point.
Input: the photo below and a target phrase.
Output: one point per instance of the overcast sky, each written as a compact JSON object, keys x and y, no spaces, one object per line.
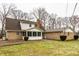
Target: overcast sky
{"x":52,"y":6}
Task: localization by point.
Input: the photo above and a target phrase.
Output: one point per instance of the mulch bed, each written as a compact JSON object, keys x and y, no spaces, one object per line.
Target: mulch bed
{"x":10,"y":42}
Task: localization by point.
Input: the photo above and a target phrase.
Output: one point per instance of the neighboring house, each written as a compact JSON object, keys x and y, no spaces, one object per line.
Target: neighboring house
{"x":16,"y":29}
{"x":55,"y":34}
{"x":69,"y":33}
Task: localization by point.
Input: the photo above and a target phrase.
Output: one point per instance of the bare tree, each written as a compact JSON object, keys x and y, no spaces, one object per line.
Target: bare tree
{"x":74,"y":20}
{"x":53,"y":20}
{"x":59,"y":22}
{"x":41,"y":14}
{"x":4,"y":12}
{"x":25,"y":16}
{"x":28,"y":16}
{"x":17,"y":14}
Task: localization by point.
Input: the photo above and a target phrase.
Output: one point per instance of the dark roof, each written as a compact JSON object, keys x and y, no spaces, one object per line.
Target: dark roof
{"x":12,"y":24}
{"x":27,"y":21}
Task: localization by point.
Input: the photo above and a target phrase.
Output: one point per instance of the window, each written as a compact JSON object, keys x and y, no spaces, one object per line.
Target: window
{"x":23,"y":33}
{"x":29,"y":33}
{"x":34,"y":33}
{"x":39,"y":33}
{"x":30,"y":25}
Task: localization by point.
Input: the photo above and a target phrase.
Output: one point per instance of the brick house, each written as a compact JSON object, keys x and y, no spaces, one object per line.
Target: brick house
{"x":16,"y":29}
{"x":55,"y":34}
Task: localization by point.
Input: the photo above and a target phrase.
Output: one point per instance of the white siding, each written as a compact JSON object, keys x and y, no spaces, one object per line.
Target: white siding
{"x":25,"y":26}
{"x":34,"y":29}
{"x":35,"y":38}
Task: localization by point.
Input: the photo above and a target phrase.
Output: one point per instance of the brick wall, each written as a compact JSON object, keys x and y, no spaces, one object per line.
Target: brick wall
{"x":56,"y":35}
{"x":11,"y":35}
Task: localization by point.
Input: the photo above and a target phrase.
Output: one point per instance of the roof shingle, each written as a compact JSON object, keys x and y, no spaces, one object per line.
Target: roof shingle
{"x":12,"y":24}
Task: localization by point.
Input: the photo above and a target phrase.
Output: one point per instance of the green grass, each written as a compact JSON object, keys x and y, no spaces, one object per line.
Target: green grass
{"x":42,"y":48}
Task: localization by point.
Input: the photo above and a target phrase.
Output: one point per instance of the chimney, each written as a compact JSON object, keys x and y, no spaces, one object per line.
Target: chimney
{"x":39,"y":24}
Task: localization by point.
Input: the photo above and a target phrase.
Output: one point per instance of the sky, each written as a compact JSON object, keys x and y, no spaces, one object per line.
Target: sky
{"x":52,"y":6}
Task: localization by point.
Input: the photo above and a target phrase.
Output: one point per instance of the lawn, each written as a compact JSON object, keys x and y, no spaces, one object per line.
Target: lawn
{"x":42,"y":48}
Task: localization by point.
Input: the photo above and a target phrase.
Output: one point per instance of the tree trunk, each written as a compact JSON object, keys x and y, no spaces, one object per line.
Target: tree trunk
{"x":2,"y":32}
{"x":64,"y":31}
{"x":44,"y":25}
{"x":74,"y":30}
{"x":3,"y":27}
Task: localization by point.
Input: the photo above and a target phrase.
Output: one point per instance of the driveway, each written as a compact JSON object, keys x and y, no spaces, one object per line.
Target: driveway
{"x":10,"y":42}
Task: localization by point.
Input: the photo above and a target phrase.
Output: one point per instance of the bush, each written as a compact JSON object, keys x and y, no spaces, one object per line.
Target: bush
{"x":25,"y":38}
{"x":63,"y":37}
{"x":75,"y":37}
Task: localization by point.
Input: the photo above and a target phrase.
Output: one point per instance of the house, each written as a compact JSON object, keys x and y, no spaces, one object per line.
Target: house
{"x":53,"y":34}
{"x":17,"y":29}
{"x":69,"y":33}
{"x":56,"y":33}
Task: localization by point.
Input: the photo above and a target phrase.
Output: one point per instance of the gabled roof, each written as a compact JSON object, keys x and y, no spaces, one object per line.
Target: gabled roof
{"x":12,"y":24}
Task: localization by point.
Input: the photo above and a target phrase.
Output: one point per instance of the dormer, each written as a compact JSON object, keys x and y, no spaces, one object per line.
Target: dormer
{"x":25,"y":24}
